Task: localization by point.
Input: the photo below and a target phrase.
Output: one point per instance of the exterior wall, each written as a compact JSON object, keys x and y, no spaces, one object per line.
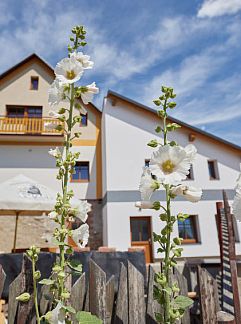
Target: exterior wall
{"x":31,"y":161}
{"x":127,"y":129}
{"x":16,"y":91}
{"x":28,"y":155}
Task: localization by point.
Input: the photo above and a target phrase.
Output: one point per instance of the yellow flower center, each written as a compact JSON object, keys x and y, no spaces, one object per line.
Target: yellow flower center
{"x":167,"y":166}
{"x":70,"y":75}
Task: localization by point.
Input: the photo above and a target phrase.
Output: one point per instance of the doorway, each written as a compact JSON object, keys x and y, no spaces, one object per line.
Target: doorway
{"x":141,"y":235}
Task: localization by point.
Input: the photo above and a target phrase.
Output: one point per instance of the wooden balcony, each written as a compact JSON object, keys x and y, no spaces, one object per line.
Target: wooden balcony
{"x":28,"y":126}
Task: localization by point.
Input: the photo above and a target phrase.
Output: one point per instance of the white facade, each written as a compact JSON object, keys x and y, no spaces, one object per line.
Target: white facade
{"x":126,"y":129}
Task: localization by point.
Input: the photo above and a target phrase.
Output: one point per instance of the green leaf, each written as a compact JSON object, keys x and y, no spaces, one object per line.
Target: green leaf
{"x":157,"y":102}
{"x":172,"y":126}
{"x":87,"y":318}
{"x":46,"y":282}
{"x":159,"y":317}
{"x":153,"y":143}
{"x":75,"y":265}
{"x":182,"y":302}
{"x":173,"y":143}
{"x":158,"y":129}
{"x":69,"y":309}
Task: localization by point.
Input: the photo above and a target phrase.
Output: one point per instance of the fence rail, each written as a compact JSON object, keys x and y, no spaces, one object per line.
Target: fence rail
{"x":29,"y":126}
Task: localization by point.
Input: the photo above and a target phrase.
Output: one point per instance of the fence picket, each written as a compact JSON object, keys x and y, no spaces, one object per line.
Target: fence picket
{"x":121,"y":315}
{"x":26,"y":311}
{"x":45,"y":300}
{"x":152,"y":305}
{"x":208,"y":292}
{"x":97,"y":292}
{"x":182,"y":284}
{"x":77,"y":295}
{"x":2,"y":279}
{"x":15,"y":289}
{"x":110,"y":295}
{"x":136,"y":298}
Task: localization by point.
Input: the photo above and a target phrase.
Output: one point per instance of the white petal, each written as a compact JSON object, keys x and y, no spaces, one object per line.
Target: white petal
{"x":144,"y":204}
{"x":57,"y":315}
{"x":174,"y":155}
{"x":81,"y":235}
{"x":68,"y":70}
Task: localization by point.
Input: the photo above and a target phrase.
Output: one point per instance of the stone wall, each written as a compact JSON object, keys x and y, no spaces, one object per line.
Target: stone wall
{"x":37,"y":230}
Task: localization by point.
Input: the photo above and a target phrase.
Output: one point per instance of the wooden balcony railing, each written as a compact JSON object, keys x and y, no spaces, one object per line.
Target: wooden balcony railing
{"x":28,"y":126}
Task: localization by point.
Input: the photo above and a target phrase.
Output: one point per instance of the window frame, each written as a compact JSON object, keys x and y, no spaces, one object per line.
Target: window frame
{"x":196,"y":233}
{"x":25,"y":110}
{"x":215,"y":168}
{"x":81,"y":180}
{"x":84,"y":125}
{"x":32,"y":79}
{"x":191,"y":173}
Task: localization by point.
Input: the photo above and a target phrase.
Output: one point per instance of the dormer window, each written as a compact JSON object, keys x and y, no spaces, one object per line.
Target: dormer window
{"x":84,"y":120}
{"x":34,"y":83}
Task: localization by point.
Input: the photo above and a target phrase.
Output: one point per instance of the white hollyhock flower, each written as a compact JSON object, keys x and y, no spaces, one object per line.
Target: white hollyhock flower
{"x":81,"y":235}
{"x":191,"y":152}
{"x":56,"y":93}
{"x":170,"y":164}
{"x":147,"y":184}
{"x":56,"y":152}
{"x":88,"y":93}
{"x":190,"y":193}
{"x":237,"y":204}
{"x":68,"y":70}
{"x":50,"y":126}
{"x":81,"y":210}
{"x":83,"y":59}
{"x":57,"y":315}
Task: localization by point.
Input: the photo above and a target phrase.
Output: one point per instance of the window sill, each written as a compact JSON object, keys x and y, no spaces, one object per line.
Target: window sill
{"x":190,"y":241}
{"x":81,"y":181}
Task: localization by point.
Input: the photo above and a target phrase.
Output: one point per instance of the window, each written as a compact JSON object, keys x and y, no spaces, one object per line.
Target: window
{"x":15,"y":112}
{"x":140,"y":230}
{"x":84,"y":120}
{"x":213,"y":170}
{"x":147,"y":162}
{"x":24,"y":111}
{"x":190,"y":175}
{"x":34,"y":83}
{"x":188,"y":230}
{"x":81,"y":172}
{"x":34,"y":112}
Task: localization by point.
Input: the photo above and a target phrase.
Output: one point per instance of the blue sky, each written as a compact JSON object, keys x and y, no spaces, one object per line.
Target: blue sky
{"x":138,"y":45}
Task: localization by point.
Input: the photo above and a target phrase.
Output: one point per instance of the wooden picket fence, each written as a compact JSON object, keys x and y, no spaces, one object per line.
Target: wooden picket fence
{"x":131,"y":303}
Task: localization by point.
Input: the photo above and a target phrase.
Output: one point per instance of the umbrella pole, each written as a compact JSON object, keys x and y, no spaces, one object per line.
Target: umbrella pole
{"x":15,"y":232}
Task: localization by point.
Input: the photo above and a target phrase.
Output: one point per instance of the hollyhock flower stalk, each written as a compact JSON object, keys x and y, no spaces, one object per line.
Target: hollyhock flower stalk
{"x":64,"y":89}
{"x":169,"y":166}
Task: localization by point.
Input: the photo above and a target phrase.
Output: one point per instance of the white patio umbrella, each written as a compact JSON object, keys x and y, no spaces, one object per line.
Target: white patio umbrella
{"x":24,"y":196}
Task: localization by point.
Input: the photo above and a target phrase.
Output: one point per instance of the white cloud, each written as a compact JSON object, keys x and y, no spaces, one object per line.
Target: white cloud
{"x":214,"y":8}
{"x":192,"y":73}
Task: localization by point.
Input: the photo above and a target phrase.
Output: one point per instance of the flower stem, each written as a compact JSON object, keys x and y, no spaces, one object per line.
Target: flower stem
{"x":65,"y":191}
{"x":168,"y":225}
{"x":35,"y":293}
{"x":167,"y":257}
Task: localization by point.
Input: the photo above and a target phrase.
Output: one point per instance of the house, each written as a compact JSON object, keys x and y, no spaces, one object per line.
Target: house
{"x":25,"y":142}
{"x":113,"y":152}
{"x":127,"y":126}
